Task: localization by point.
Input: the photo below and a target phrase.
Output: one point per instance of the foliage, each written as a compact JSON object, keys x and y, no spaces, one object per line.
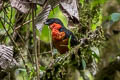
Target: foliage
{"x":34,"y":52}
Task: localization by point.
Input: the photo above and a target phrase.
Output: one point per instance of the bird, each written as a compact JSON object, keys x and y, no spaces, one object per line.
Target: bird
{"x":61,"y":35}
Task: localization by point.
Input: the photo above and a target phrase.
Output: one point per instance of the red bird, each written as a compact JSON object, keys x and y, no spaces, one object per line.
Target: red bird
{"x":60,"y":35}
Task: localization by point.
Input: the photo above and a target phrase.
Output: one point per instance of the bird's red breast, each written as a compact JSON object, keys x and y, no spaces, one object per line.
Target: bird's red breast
{"x":55,"y":26}
{"x":58,"y":38}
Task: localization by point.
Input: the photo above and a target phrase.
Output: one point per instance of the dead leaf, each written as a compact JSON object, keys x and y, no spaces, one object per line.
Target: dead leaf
{"x":70,"y":9}
{"x":41,"y":18}
{"x":21,"y":5}
{"x":6,"y":58}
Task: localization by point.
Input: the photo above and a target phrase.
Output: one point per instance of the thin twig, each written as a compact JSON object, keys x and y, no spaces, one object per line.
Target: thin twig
{"x":10,"y":24}
{"x":7,"y":32}
{"x":50,"y":41}
{"x":27,"y":22}
{"x":35,"y":45}
{"x":14,"y":41}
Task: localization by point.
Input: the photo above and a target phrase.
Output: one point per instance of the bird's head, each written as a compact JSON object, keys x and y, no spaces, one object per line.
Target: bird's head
{"x":54,"y":23}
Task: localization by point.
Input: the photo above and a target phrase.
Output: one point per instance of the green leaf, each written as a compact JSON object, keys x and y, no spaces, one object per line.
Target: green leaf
{"x":45,"y":34}
{"x":82,"y":2}
{"x":69,"y":44}
{"x":95,"y":52}
{"x":95,"y":3}
{"x":115,"y":17}
{"x":83,"y":64}
{"x":42,"y":68}
{"x":95,"y":55}
{"x":22,"y":69}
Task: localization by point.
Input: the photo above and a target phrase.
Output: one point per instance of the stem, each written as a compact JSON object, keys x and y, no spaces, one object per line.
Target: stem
{"x":35,"y":45}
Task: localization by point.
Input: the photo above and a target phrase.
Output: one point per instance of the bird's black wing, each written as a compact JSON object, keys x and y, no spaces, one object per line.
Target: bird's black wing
{"x":73,"y":41}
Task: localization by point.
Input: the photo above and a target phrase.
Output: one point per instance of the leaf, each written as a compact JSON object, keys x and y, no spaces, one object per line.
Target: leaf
{"x":42,"y":68}
{"x":21,"y":69}
{"x":97,"y":2}
{"x":7,"y":61}
{"x":95,"y":52}
{"x":41,"y":18}
{"x":115,"y":17}
{"x":69,"y":44}
{"x":70,"y":9}
{"x":21,"y":5}
{"x":83,"y":64}
{"x":95,"y":55}
{"x":82,"y":2}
